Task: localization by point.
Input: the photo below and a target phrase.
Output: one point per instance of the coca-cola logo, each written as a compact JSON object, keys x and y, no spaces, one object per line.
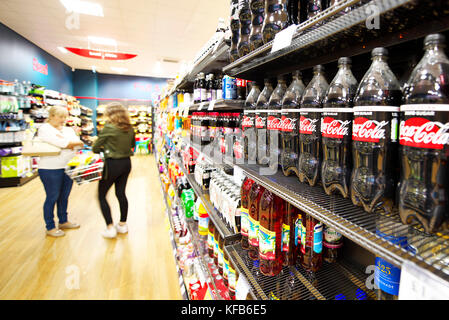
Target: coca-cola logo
{"x":288,"y":124}
{"x":247,"y":122}
{"x":423,"y":133}
{"x":367,"y":130}
{"x":332,"y":128}
{"x":273,"y":123}
{"x":260,"y":122}
{"x":307,"y":126}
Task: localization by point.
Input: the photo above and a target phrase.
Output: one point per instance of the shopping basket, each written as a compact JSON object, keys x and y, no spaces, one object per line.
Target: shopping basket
{"x":86,"y":173}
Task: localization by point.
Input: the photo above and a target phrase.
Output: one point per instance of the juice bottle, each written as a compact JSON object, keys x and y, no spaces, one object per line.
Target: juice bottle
{"x":253,"y":232}
{"x":210,"y":239}
{"x":220,"y":254}
{"x":291,"y":229}
{"x":271,"y":212}
{"x":226,"y":266}
{"x":311,"y":244}
{"x":244,"y":209}
{"x":216,"y":236}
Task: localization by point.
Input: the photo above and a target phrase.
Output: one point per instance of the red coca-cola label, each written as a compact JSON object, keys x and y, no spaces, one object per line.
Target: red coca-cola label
{"x":273,"y":123}
{"x":247,"y":122}
{"x":367,"y":130}
{"x":307,"y":125}
{"x":424,"y":133}
{"x":260,"y":122}
{"x":288,"y":124}
{"x":332,"y":128}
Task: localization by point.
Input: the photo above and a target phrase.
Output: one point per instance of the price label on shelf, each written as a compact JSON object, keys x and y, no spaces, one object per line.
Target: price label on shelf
{"x":283,"y":38}
{"x":420,"y":284}
{"x":211,"y":105}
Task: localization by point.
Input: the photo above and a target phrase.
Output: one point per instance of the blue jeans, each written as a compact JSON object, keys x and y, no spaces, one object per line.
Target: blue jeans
{"x":57,"y":186}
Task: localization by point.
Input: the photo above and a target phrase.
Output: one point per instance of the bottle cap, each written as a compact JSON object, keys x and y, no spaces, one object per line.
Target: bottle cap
{"x":318,"y":68}
{"x":434,"y":39}
{"x":344,"y":60}
{"x":379,"y":52}
{"x":297,"y":73}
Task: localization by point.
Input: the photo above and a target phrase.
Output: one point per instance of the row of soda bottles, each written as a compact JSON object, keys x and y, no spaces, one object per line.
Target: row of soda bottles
{"x":215,"y":87}
{"x":256,"y":22}
{"x":360,"y":140}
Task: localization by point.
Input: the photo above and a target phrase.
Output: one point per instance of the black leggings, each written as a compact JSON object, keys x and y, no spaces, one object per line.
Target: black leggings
{"x":116,"y":172}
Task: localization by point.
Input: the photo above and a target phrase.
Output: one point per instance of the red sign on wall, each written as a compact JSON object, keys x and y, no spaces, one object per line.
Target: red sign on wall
{"x":39,"y":67}
{"x":104,"y":55}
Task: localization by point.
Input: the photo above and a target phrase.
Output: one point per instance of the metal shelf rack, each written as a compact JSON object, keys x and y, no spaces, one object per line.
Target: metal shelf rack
{"x":430,"y":252}
{"x":343,"y":30}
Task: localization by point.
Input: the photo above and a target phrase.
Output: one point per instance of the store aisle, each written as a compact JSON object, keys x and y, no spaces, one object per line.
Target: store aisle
{"x":83,"y":265}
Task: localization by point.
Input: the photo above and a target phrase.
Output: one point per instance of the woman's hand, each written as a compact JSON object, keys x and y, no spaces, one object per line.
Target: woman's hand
{"x":75,"y":144}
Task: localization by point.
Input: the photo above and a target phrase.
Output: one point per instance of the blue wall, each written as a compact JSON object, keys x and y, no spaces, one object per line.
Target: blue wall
{"x":16,"y":62}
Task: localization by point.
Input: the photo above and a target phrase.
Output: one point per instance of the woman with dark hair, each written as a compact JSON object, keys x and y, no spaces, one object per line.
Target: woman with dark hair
{"x":116,"y":141}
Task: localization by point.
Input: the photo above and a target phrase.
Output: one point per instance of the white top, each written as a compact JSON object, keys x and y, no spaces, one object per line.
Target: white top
{"x":61,"y":139}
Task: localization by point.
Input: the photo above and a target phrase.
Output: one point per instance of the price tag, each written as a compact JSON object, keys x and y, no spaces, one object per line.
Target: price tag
{"x":283,"y":38}
{"x":420,"y":284}
{"x":241,"y":288}
{"x":211,"y":105}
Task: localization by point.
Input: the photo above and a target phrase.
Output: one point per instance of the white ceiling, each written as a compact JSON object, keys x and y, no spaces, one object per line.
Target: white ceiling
{"x":152,"y":29}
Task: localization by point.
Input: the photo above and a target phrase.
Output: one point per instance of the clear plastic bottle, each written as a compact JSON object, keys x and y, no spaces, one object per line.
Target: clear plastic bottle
{"x":276,"y":18}
{"x":257,"y":16}
{"x":261,"y":122}
{"x":248,"y":123}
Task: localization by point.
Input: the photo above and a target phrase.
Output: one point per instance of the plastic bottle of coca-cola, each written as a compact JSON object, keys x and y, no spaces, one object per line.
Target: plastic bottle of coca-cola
{"x":375,"y":136}
{"x":249,"y":140}
{"x":424,"y":139}
{"x":261,"y":122}
{"x":309,"y":128}
{"x":336,"y":130}
{"x":274,"y":123}
{"x":290,"y":126}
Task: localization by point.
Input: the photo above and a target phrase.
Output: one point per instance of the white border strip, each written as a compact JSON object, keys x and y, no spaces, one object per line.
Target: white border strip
{"x":311,"y":110}
{"x":377,"y":109}
{"x":425,"y":107}
{"x":339,"y":110}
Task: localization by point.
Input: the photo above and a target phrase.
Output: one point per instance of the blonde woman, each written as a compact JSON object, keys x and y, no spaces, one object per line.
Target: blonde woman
{"x":116,"y":141}
{"x":56,"y":183}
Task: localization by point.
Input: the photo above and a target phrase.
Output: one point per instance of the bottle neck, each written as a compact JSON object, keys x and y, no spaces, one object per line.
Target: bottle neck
{"x":435,"y":49}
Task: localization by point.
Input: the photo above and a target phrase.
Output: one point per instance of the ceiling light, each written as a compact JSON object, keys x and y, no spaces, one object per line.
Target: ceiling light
{"x":63,"y":50}
{"x":102,"y":41}
{"x":119,"y":70}
{"x":83,"y":7}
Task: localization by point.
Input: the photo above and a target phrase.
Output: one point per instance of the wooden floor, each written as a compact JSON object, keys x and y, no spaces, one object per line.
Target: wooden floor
{"x":84,"y":265}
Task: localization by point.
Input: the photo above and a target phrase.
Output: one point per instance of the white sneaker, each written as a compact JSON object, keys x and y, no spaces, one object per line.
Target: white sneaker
{"x":121,"y":229}
{"x":109,"y":233}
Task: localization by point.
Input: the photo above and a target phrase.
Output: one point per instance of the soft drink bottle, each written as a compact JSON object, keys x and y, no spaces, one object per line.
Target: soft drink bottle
{"x":293,"y":7}
{"x":274,"y":123}
{"x":289,"y":126}
{"x":257,"y":16}
{"x":253,"y":231}
{"x":248,"y":123}
{"x":261,"y":122}
{"x":291,"y":233}
{"x":245,"y":27}
{"x":210,"y":239}
{"x":276,"y":18}
{"x":311,"y":244}
{"x":244,"y":209}
{"x":235,"y":29}
{"x":271,"y":212}
{"x":336,"y":130}
{"x":309,"y":128}
{"x":374,"y":136}
{"x":424,"y":138}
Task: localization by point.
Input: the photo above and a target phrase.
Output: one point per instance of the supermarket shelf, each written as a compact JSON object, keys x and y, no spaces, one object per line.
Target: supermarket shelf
{"x":228,"y":235}
{"x":17,"y":181}
{"x":334,"y":33}
{"x":430,"y":252}
{"x":339,"y":281}
{"x":220,"y":105}
{"x":182,"y":285}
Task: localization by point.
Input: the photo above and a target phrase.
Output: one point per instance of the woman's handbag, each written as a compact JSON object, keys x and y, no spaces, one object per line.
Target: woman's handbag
{"x":38,"y":148}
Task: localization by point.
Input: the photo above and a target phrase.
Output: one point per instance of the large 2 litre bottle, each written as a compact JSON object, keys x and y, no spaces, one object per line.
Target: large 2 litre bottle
{"x":336,"y":130}
{"x":424,"y":138}
{"x":309,"y":128}
{"x":375,"y":137}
